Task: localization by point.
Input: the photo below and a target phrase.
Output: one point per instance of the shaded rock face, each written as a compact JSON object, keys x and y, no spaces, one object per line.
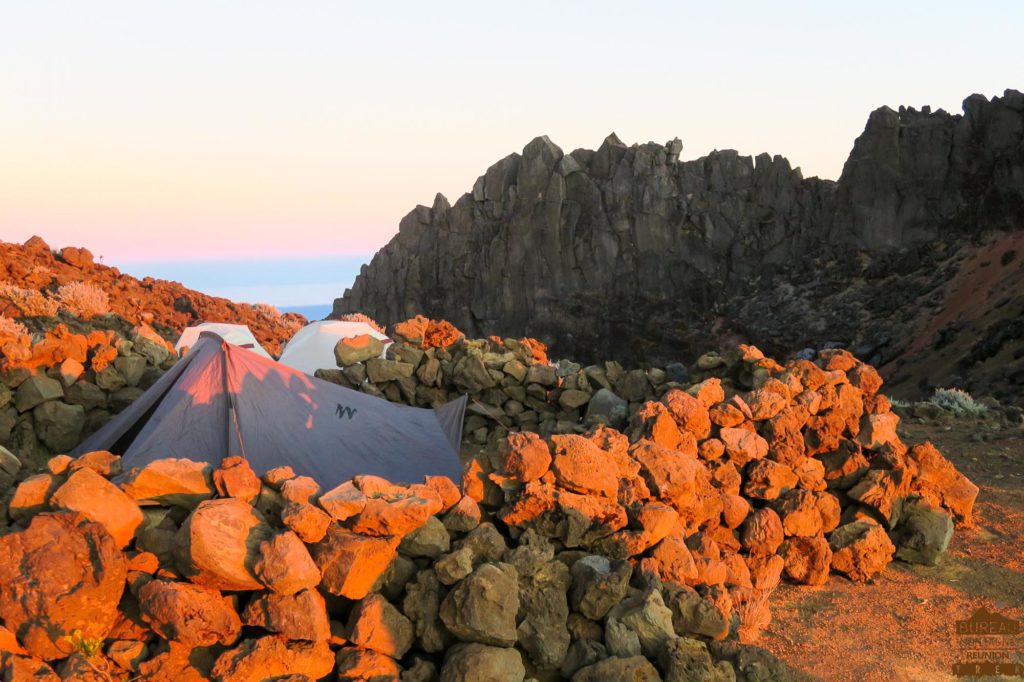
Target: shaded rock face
{"x":573,"y":248}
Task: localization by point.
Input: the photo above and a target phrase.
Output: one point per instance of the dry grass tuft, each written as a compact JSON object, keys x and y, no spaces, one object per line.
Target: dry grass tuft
{"x":754,"y":612}
{"x":266,"y":310}
{"x":30,"y":302}
{"x":84,"y":300}
{"x":359,"y":317}
{"x":9,"y":327}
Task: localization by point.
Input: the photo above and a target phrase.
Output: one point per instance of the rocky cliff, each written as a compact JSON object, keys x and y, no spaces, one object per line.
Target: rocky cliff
{"x":627,"y":252}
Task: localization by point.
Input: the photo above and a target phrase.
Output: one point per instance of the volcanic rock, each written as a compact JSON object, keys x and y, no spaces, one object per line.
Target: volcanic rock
{"x":178,"y":482}
{"x":189,"y":614}
{"x":482,"y":607}
{"x":377,"y":625}
{"x":481,"y":663}
{"x":63,"y":573}
{"x":100,"y":500}
{"x":350,"y":564}
{"x":860,"y":550}
{"x":218,"y":546}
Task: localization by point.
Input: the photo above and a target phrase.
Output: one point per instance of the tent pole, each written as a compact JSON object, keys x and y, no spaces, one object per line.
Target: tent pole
{"x":234,"y":428}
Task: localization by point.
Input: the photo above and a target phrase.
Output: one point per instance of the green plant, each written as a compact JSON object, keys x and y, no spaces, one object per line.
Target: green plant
{"x":89,"y":647}
{"x":957,"y":401}
{"x":90,"y":650}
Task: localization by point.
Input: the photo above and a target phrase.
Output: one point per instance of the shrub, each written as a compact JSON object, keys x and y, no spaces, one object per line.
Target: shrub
{"x":359,"y":317}
{"x":9,"y":327}
{"x":266,"y":310}
{"x":30,"y":302}
{"x":957,"y":401}
{"x":83,"y":299}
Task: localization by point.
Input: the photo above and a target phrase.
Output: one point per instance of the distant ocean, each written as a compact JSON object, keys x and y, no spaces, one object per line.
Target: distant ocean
{"x":312,"y":312}
{"x":288,"y":284}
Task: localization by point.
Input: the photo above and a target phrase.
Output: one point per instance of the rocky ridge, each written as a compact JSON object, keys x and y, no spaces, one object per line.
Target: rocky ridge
{"x":574,"y":248}
{"x":168,"y":307}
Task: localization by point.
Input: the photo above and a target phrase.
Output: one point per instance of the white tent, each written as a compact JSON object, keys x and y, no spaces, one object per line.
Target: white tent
{"x":312,"y":347}
{"x":235,"y":334}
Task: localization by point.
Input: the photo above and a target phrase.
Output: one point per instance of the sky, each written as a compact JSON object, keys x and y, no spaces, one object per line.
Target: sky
{"x":228,"y":144}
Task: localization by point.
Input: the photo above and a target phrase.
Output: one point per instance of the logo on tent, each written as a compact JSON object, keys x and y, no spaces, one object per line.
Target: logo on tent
{"x":344,"y":412}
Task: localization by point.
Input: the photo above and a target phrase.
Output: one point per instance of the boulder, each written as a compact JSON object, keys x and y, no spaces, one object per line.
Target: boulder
{"x":598,"y":584}
{"x":365,"y":664}
{"x":482,"y":607}
{"x":940,"y":483}
{"x":675,"y":562}
{"x":58,"y":424}
{"x":923,"y":533}
{"x":431,"y":540}
{"x":694,"y":615}
{"x":379,"y":370}
{"x":421,"y":604}
{"x":649,"y":618}
{"x":807,"y":559}
{"x":177,"y":482}
{"x":299,"y":616}
{"x":189,"y":614}
{"x":766,"y":479}
{"x":398,"y":518}
{"x":762,"y":532}
{"x":606,"y":407}
{"x":524,"y":456}
{"x":464,"y":516}
{"x":61,"y":574}
{"x":690,"y":413}
{"x":308,"y":522}
{"x":36,"y":390}
{"x":104,"y":463}
{"x":343,"y":502}
{"x":350,"y":564}
{"x":235,"y":478}
{"x":272,"y":657}
{"x":100,"y":500}
{"x":9,"y":468}
{"x":582,"y":467}
{"x":860,"y":550}
{"x":32,"y":496}
{"x":349,"y":351}
{"x":476,"y":662}
{"x":219,"y":545}
{"x":377,"y":625}
{"x":685,"y":659}
{"x":284,"y":565}
{"x":543,"y":607}
{"x":634,"y":669}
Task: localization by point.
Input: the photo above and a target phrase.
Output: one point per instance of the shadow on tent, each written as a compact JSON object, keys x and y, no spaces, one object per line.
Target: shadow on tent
{"x":222,"y":400}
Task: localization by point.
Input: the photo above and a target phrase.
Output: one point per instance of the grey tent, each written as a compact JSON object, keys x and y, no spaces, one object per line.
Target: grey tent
{"x":221,"y":400}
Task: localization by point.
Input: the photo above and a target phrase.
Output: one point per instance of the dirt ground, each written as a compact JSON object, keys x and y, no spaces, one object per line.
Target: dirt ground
{"x":902,"y":627}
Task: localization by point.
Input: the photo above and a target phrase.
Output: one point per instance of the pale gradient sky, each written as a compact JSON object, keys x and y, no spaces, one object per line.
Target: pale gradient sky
{"x":225,"y":130}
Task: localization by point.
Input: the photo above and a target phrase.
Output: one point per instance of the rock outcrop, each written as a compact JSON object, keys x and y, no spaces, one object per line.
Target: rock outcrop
{"x":575,"y":248}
